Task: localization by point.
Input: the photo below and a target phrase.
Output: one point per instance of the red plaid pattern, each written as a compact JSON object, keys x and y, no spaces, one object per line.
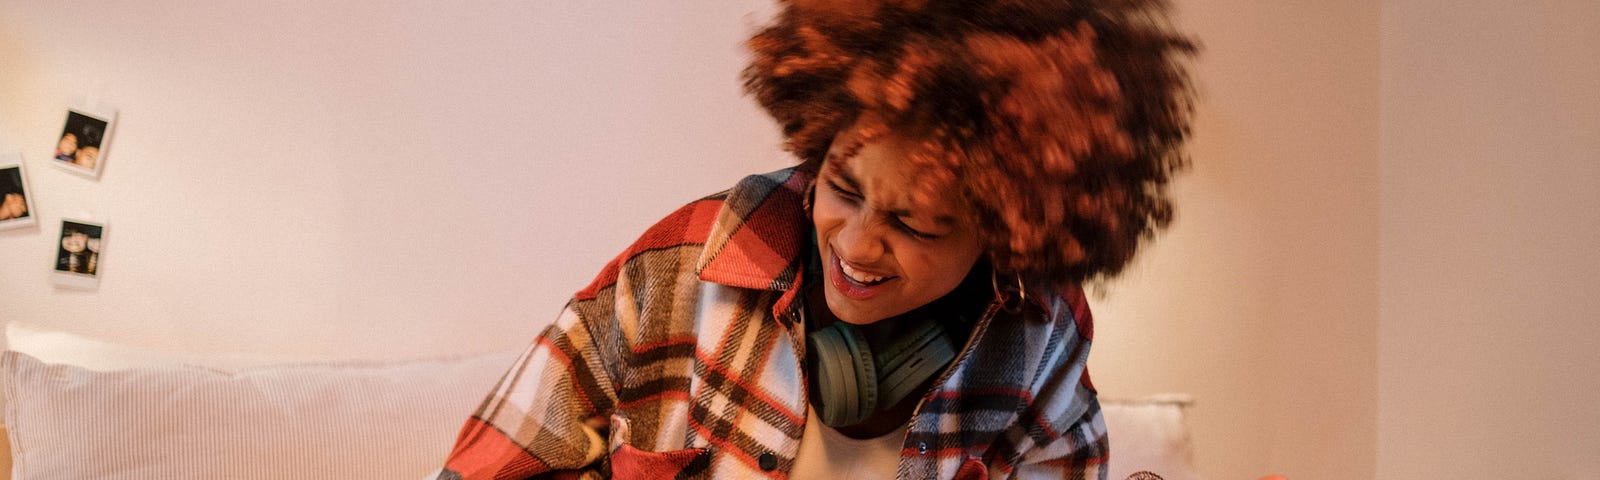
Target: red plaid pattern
{"x":683,"y":360}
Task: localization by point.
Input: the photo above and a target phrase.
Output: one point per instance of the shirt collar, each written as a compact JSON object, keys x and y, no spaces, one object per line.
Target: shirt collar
{"x":760,"y":234}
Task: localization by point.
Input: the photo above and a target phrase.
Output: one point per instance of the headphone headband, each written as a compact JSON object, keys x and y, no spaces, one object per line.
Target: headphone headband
{"x":854,"y":383}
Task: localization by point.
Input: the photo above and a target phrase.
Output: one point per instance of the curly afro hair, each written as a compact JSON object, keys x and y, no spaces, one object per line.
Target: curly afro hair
{"x":1058,"y":122}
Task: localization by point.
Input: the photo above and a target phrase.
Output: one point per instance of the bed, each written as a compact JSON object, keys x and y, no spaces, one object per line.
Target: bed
{"x":79,"y":407}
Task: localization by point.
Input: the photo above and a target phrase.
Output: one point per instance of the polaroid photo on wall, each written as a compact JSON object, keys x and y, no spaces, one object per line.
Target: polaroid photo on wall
{"x":85,"y":138}
{"x":16,"y":201}
{"x":78,"y":253}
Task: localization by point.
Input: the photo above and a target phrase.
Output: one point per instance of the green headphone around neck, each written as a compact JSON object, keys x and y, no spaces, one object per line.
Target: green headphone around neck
{"x":854,"y":382}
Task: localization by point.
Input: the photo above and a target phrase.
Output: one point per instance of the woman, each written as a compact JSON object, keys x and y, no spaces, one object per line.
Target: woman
{"x":905,"y":302}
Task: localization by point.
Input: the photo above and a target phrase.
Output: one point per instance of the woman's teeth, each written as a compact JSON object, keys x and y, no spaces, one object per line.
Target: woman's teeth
{"x":859,"y":276}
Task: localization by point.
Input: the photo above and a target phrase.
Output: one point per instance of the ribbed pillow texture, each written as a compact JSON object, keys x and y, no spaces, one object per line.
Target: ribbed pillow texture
{"x":362,"y":420}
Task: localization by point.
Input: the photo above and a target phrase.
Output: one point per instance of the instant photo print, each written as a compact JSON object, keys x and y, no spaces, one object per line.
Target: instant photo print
{"x":16,"y":201}
{"x":84,"y":140}
{"x":78,"y":254}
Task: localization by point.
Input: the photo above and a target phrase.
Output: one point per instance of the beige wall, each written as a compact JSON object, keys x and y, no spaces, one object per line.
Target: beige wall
{"x":1261,"y":301}
{"x":1489,"y":364}
{"x":363,"y":179}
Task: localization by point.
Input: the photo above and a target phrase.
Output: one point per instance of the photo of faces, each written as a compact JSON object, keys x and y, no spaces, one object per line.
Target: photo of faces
{"x":82,"y":143}
{"x":16,"y":206}
{"x":78,"y":252}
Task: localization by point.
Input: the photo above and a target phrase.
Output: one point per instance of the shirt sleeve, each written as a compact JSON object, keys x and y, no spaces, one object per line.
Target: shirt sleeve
{"x":1070,"y":429}
{"x":546,"y":418}
{"x":1080,"y":452}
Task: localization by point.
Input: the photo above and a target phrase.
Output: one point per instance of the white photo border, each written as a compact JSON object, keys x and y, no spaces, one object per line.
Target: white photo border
{"x":101,"y":113}
{"x":87,"y":281}
{"x":7,"y":161}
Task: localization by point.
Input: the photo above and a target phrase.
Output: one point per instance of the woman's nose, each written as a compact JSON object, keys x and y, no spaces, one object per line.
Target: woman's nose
{"x":859,"y":242}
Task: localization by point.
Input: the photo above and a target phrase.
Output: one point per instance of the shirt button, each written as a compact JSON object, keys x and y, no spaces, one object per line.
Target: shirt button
{"x":922,"y":448}
{"x":768,"y":461}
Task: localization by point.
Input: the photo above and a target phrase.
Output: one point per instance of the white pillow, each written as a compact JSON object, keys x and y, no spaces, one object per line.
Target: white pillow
{"x":347,"y":421}
{"x":1149,"y":434}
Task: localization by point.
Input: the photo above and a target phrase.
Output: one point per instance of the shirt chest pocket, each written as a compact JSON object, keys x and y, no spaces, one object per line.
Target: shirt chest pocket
{"x":630,"y":461}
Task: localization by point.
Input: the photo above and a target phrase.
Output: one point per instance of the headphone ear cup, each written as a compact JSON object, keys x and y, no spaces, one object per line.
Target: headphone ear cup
{"x":847,"y":378}
{"x":907,"y":363}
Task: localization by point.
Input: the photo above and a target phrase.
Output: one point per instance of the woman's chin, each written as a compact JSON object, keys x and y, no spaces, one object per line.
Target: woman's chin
{"x":860,"y":322}
{"x":851,"y":312}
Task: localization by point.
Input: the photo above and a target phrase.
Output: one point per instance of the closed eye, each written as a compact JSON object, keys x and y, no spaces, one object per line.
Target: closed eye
{"x":894,"y":218}
{"x":839,"y":189}
{"x":918,"y":234}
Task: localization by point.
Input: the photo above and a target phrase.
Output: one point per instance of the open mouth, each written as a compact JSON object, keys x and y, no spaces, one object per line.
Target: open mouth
{"x":854,"y":281}
{"x":862,"y":278}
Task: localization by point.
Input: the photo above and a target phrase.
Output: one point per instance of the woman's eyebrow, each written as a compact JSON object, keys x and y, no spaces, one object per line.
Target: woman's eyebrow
{"x":940,"y":219}
{"x":849,"y":180}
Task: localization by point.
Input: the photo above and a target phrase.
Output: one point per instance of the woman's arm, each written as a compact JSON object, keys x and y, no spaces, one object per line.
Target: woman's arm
{"x":1072,"y":441}
{"x":1079,"y":452}
{"x":547,"y":417}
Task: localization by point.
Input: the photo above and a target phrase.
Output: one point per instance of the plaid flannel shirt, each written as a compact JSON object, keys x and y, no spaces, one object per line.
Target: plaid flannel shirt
{"x":683,"y":359}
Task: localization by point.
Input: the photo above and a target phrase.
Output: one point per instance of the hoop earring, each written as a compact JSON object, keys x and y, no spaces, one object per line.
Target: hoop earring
{"x":1022,"y":292}
{"x":1000,"y":298}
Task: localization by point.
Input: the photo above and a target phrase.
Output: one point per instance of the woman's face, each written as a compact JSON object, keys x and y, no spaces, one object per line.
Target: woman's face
{"x":883,"y":255}
{"x":74,"y":242}
{"x":87,"y":156}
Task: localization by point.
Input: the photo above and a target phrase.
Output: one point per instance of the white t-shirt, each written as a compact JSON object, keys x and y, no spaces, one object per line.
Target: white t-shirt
{"x":826,"y":453}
